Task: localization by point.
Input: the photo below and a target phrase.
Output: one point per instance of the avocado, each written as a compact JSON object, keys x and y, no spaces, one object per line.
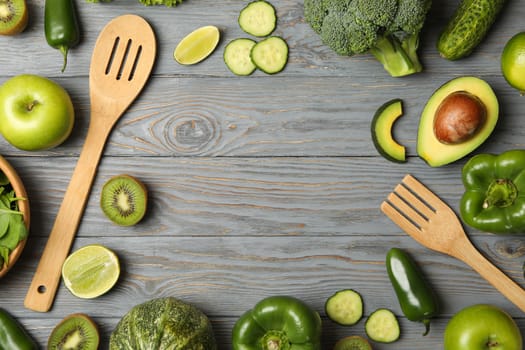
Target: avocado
{"x":382,"y":125}
{"x":466,"y":110}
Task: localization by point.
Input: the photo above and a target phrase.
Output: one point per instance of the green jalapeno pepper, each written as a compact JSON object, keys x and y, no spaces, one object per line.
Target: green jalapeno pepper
{"x":416,"y":298}
{"x":278,"y":323}
{"x":61,"y":26}
{"x":494,"y":198}
{"x":12,"y":335}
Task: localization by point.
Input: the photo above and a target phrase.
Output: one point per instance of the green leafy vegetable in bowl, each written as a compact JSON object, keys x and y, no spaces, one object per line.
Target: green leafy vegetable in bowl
{"x":12,"y":227}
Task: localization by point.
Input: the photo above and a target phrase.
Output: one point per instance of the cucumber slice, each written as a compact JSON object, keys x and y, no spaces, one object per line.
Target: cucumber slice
{"x":237,"y":56}
{"x":258,"y":18}
{"x":382,"y":326}
{"x":270,"y":55}
{"x":345,"y":307}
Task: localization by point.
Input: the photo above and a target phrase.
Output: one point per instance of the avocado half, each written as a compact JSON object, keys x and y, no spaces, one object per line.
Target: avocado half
{"x":437,"y":153}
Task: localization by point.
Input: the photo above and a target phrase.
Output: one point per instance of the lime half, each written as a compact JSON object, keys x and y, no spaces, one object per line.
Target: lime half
{"x":197,"y":45}
{"x":513,"y":62}
{"x":91,"y":271}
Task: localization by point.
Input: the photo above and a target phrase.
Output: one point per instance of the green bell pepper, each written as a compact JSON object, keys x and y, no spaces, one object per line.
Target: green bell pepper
{"x":278,"y":323}
{"x":12,"y":335}
{"x":494,"y":198}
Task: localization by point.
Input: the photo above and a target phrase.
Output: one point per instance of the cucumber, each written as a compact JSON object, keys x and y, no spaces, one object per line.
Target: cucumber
{"x":270,"y":55}
{"x":382,"y":125}
{"x":345,"y":307}
{"x":468,"y":27}
{"x":382,"y":326}
{"x":258,"y":18}
{"x":237,"y":56}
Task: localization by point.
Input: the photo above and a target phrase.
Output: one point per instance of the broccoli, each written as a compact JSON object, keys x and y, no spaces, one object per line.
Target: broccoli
{"x":388,"y":29}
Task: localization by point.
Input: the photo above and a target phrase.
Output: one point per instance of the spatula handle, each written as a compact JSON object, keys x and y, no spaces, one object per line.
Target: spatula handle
{"x":46,"y":279}
{"x":510,"y":289}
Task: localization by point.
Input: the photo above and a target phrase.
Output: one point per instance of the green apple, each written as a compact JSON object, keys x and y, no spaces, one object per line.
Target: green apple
{"x":482,"y":327}
{"x":36,"y":113}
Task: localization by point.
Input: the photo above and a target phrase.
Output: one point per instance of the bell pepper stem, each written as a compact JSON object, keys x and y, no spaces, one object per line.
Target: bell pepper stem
{"x":501,"y":193}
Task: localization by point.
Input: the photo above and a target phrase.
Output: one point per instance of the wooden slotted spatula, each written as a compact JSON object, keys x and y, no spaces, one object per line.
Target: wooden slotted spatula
{"x":121,"y":64}
{"x":431,"y":222}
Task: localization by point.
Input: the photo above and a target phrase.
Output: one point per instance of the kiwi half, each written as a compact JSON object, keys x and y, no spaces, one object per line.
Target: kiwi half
{"x":124,"y":200}
{"x":75,"y":332}
{"x":353,"y":342}
{"x":13,"y":16}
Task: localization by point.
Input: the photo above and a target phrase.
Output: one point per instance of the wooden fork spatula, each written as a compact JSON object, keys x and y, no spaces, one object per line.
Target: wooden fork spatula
{"x":432,"y":223}
{"x":121,"y":64}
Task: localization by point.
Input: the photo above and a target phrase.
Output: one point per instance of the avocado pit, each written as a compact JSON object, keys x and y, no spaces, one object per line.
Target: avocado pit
{"x":459,"y":117}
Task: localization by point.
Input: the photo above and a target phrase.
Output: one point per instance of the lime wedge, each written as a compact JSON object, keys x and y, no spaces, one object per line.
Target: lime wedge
{"x":197,"y":45}
{"x":91,"y":271}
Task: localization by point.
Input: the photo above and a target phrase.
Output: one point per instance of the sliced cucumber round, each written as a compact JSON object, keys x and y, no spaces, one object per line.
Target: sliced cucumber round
{"x":258,"y":18}
{"x":382,"y":326}
{"x":270,"y":55}
{"x":345,"y":307}
{"x":237,"y":56}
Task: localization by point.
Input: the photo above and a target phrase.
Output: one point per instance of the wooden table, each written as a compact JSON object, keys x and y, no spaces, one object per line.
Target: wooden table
{"x":259,"y":185}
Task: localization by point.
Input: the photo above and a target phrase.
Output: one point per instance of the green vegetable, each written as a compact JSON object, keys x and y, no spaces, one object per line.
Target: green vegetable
{"x":468,"y":27}
{"x":168,"y":3}
{"x":258,"y":18}
{"x":416,"y":298}
{"x":382,"y":326}
{"x":494,"y":198}
{"x":237,"y":56}
{"x":13,"y":336}
{"x":389,"y":29}
{"x":163,"y":323}
{"x":12,"y":226}
{"x":61,"y":26}
{"x":278,"y":323}
{"x":345,"y":307}
{"x":381,"y":127}
{"x":270,"y":55}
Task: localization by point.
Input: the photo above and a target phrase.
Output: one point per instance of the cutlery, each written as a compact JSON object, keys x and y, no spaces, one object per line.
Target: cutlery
{"x":121,"y":63}
{"x":432,"y":223}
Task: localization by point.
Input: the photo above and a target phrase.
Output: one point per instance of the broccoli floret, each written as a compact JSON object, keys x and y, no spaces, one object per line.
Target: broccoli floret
{"x":389,"y":29}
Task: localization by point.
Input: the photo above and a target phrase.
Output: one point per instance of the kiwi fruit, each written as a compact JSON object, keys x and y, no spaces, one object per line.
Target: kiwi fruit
{"x":13,"y":16}
{"x":124,"y":200}
{"x":353,"y":342}
{"x":75,"y":332}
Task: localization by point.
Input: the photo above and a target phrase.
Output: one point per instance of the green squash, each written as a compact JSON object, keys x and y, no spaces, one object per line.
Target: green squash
{"x":163,"y":324}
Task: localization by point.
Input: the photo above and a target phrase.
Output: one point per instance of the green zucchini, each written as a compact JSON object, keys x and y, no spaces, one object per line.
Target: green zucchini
{"x":237,"y":56}
{"x":270,"y":55}
{"x":258,"y":18}
{"x":382,"y":124}
{"x":468,"y":27}
{"x":382,"y":326}
{"x":344,"y":307}
{"x":353,"y":342}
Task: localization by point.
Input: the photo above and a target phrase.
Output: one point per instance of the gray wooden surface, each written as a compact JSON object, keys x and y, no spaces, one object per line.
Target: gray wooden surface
{"x":259,"y":185}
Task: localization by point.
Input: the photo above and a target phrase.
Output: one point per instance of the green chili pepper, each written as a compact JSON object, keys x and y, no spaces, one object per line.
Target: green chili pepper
{"x":61,"y":26}
{"x":12,"y":335}
{"x":417,"y":300}
{"x":278,"y":323}
{"x":494,"y":198}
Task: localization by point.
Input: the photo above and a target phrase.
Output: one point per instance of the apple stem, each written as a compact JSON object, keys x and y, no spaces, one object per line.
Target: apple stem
{"x":31,"y":105}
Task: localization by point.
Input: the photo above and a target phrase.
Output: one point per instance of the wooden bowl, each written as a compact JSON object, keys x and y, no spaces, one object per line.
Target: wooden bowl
{"x":23,"y":206}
